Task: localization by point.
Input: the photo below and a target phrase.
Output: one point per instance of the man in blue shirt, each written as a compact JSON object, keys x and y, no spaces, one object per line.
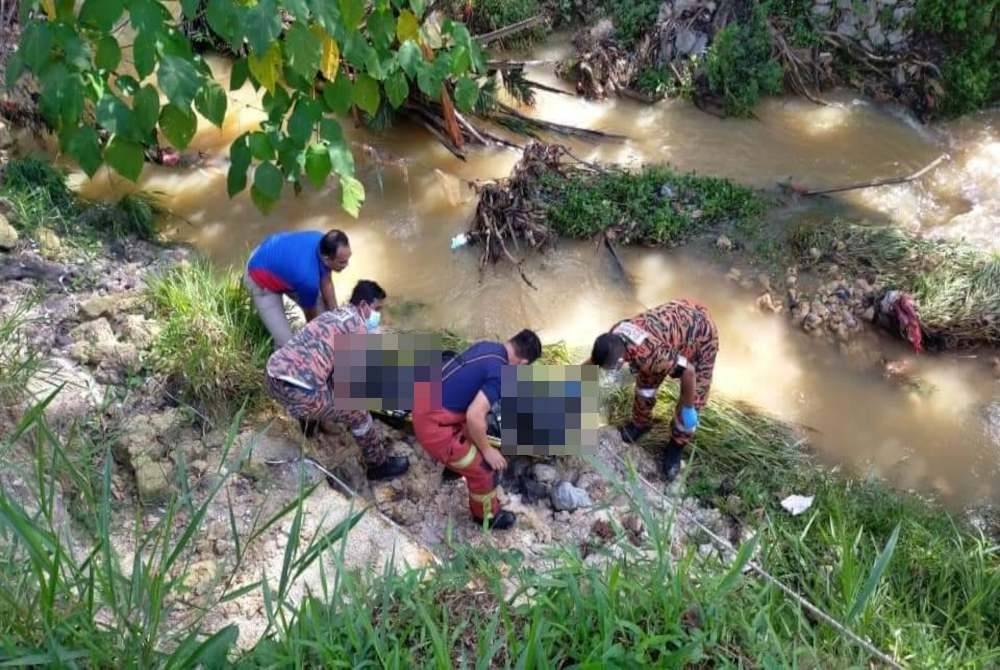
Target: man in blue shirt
{"x":449,"y":419}
{"x":296,"y":264}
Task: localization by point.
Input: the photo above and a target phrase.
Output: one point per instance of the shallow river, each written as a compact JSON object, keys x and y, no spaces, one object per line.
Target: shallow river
{"x":419,"y":199}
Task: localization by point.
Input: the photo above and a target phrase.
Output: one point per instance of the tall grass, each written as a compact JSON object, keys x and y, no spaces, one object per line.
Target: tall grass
{"x":956,"y":286}
{"x":17,"y":360}
{"x":212,"y":339}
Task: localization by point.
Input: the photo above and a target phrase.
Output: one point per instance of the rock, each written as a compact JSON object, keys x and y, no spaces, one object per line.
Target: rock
{"x":602,"y":30}
{"x":734,"y":274}
{"x":764,"y":281}
{"x":110,"y":305}
{"x":845,"y":4}
{"x":146,"y":439}
{"x":544,"y":473}
{"x":566,"y":497}
{"x":8,"y":236}
{"x":683,"y":6}
{"x":724,"y":243}
{"x":153,"y":479}
{"x":690,"y":42}
{"x":6,"y":138}
{"x":765,"y":303}
{"x":995,"y":365}
{"x":822,"y":10}
{"x":877,"y":38}
{"x":811,"y":322}
{"x":746,"y":285}
{"x":791,"y":280}
{"x":843,"y":334}
{"x":848,"y":27}
{"x":48,"y":242}
{"x":868,"y":314}
{"x":92,"y":340}
{"x":201,"y":575}
{"x":139,"y":330}
{"x":80,"y":393}
{"x":901,"y":14}
{"x":815,"y":253}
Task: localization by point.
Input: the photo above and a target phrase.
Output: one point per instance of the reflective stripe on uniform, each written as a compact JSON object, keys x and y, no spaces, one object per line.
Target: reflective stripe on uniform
{"x":358,"y":432}
{"x":466,"y":460}
{"x":646,"y":393}
{"x":483,"y":497}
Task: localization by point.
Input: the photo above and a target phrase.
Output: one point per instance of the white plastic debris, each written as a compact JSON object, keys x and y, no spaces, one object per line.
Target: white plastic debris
{"x":797,"y":504}
{"x":459,"y":241}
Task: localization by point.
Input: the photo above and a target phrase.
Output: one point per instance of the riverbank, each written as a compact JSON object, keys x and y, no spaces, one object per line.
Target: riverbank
{"x":156,"y":353}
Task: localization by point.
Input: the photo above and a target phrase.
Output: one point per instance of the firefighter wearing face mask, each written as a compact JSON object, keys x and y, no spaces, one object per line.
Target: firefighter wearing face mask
{"x":300,"y":376}
{"x":677,"y":339}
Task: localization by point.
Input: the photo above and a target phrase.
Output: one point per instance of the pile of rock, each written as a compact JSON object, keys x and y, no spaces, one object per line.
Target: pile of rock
{"x":877,"y":25}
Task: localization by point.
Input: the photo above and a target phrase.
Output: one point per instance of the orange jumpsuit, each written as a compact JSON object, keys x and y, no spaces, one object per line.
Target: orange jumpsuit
{"x":655,"y":342}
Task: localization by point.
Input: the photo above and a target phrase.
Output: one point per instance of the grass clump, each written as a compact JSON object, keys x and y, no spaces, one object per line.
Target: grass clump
{"x":740,"y":67}
{"x":212,"y":340}
{"x":17,"y":360}
{"x":956,"y":286}
{"x":632,"y":20}
{"x":654,"y":206}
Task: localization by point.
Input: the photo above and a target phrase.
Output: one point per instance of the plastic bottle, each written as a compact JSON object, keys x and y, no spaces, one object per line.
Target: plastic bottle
{"x":459,"y":241}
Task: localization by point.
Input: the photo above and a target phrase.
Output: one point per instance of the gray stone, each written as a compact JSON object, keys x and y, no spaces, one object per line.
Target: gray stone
{"x":566,"y":497}
{"x":682,"y":6}
{"x":822,"y":10}
{"x":79,"y":394}
{"x":139,"y":330}
{"x":876,"y":36}
{"x":48,"y":242}
{"x":8,"y":236}
{"x":92,"y":341}
{"x":602,"y":30}
{"x":690,"y":42}
{"x":723,"y":243}
{"x":897,"y":42}
{"x":545,"y":474}
{"x":848,"y":27}
{"x":200,"y":577}
{"x":845,"y":4}
{"x":901,"y":14}
{"x":110,"y":305}
{"x":153,"y":479}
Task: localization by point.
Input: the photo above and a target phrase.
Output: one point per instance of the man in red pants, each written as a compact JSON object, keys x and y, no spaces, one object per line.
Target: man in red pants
{"x":449,"y":419}
{"x":677,"y":339}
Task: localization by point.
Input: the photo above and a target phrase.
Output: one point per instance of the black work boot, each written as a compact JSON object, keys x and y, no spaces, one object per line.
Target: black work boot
{"x":631,"y":432}
{"x":393,"y":467}
{"x":502,"y":520}
{"x":672,"y":461}
{"x":449,"y":475}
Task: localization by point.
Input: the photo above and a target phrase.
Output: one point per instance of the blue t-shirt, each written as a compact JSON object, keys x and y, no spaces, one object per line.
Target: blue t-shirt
{"x":475,"y":369}
{"x":290,"y":263}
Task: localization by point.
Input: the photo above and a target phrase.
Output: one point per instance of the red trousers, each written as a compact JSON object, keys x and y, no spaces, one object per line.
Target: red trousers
{"x":441,"y":432}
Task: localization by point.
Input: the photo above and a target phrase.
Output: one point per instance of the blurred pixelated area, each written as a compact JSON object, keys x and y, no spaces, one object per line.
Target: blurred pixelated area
{"x":376,"y":372}
{"x":549,"y":410}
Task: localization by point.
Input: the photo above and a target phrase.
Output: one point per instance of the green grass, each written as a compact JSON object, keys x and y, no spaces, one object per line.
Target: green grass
{"x":490,"y":15}
{"x":17,"y":361}
{"x":212,"y":341}
{"x":740,"y":66}
{"x":654,"y":206}
{"x":956,"y":286}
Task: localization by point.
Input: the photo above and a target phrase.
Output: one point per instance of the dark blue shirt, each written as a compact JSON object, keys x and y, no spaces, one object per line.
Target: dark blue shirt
{"x":290,"y":263}
{"x":475,"y":369}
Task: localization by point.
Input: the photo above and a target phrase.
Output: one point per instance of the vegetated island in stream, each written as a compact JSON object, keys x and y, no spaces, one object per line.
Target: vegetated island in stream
{"x":178,"y":348}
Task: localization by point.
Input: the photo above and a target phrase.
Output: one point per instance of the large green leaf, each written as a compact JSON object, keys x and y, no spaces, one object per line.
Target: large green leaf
{"x":351,"y":13}
{"x":36,"y":45}
{"x":114,"y":115}
{"x":352,"y":194}
{"x":338,"y":96}
{"x":429,"y":81}
{"x":239,"y":162}
{"x":327,"y":14}
{"x":224,"y":18}
{"x":178,"y":125}
{"x":179,"y":80}
{"x":84,"y":147}
{"x":466,"y":94}
{"x":318,"y":164}
{"x":146,"y":108}
{"x":303,"y":120}
{"x":144,"y":54}
{"x":341,"y":158}
{"x":267,"y":183}
{"x":15,"y":69}
{"x":211,"y":103}
{"x":148,"y":16}
{"x":357,"y":50}
{"x":302,"y":51}
{"x":409,"y":57}
{"x":396,"y":89}
{"x":461,"y":61}
{"x":101,"y":14}
{"x":238,"y":74}
{"x":125,"y":156}
{"x":62,"y":96}
{"x":381,"y":28}
{"x":262,"y":25}
{"x":418,"y":7}
{"x":108,"y":54}
{"x":260,"y":146}
{"x":298,"y":8}
{"x":366,"y":94}
{"x":331,"y":131}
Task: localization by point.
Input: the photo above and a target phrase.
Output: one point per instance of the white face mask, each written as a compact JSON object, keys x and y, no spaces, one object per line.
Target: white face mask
{"x":373,"y":320}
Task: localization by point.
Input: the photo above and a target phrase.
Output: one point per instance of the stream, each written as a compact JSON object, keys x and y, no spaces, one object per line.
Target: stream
{"x":418,"y":198}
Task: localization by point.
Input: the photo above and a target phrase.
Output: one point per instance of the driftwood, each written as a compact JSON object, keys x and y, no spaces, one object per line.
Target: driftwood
{"x":880,"y":182}
{"x":512,"y":29}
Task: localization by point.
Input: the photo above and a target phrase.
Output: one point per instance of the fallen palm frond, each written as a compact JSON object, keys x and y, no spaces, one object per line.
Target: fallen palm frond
{"x":956,"y":286}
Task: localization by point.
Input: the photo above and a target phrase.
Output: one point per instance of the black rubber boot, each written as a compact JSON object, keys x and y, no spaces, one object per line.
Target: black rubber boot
{"x":502,"y":520}
{"x":672,"y":461}
{"x":631,"y":433}
{"x":449,"y":475}
{"x":393,"y":467}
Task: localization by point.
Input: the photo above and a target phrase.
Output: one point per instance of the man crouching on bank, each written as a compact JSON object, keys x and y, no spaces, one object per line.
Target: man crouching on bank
{"x":449,"y":419}
{"x":300,"y":376}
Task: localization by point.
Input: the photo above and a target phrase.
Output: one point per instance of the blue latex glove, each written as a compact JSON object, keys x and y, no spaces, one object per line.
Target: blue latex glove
{"x":689,"y":418}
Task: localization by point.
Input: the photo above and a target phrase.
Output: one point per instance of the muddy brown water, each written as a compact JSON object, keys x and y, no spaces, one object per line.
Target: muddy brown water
{"x":418,"y":199}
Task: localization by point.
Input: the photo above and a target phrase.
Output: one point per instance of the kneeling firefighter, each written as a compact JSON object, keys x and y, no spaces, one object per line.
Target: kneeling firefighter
{"x":677,"y":339}
{"x":449,"y":419}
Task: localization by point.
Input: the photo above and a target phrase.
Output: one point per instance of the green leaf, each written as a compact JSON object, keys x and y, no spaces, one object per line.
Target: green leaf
{"x":298,"y":8}
{"x":190,"y":8}
{"x":304,"y":118}
{"x":357,"y":51}
{"x":327,"y":14}
{"x":267,"y":183}
{"x":262,"y":25}
{"x":407,"y":27}
{"x":878,"y":569}
{"x":351,"y":13}
{"x":127,"y":85}
{"x":101,"y":14}
{"x":377,"y":65}
{"x":396,"y":89}
{"x":36,"y":46}
{"x":148,"y":16}
{"x":318,"y":164}
{"x":478,"y":61}
{"x":410,"y":58}
{"x":341,"y":158}
{"x":381,"y":29}
{"x":83,"y":146}
{"x":15,"y":69}
{"x":62,"y":96}
{"x":144,"y":54}
{"x":418,"y":7}
{"x":352,"y":194}
{"x":114,"y":115}
{"x":146,"y":108}
{"x":238,"y":74}
{"x":331,"y":131}
{"x":260,"y":146}
{"x":429,"y":81}
{"x":178,"y":125}
{"x":224,"y":18}
{"x":178,"y":80}
{"x":366,"y":94}
{"x":75,"y":52}
{"x":302,"y":50}
{"x":461,"y":61}
{"x":291,"y":158}
{"x":239,"y":162}
{"x":277,"y":105}
{"x":126,"y":157}
{"x":213,"y":652}
{"x":466,"y":94}
{"x":211,"y":103}
{"x":108,"y":54}
{"x":338,"y":95}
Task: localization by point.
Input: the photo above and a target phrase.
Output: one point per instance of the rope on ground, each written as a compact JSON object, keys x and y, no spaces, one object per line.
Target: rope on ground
{"x":768,"y":577}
